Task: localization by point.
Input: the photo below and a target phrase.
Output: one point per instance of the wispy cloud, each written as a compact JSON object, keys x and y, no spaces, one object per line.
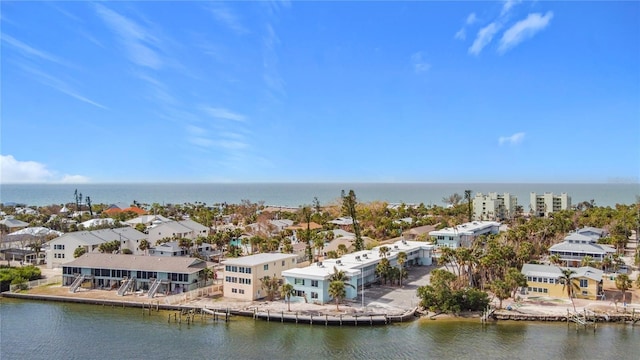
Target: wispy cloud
{"x":30,"y":51}
{"x":228,"y":18}
{"x":508,"y":5}
{"x":420,"y":65}
{"x":524,"y":29}
{"x":222,"y":113}
{"x":16,"y":171}
{"x":484,"y":37}
{"x":471,"y":19}
{"x":511,"y":140}
{"x":274,"y":82}
{"x":140,"y":44}
{"x":462,"y":33}
{"x":59,"y":85}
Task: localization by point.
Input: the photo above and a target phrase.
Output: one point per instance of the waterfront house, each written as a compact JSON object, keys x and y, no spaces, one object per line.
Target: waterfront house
{"x":60,"y":250}
{"x":242,"y":276}
{"x":544,"y":280}
{"x":464,"y":234}
{"x":130,"y":273}
{"x":311,"y":283}
{"x":576,"y":246}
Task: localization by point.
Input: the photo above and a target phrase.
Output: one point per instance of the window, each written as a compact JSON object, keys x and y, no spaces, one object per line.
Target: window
{"x":266,"y":267}
{"x":314,"y":295}
{"x":248,"y":270}
{"x":585,"y":293}
{"x":298,"y":281}
{"x":584,"y":283}
{"x":241,"y":291}
{"x":299,"y":293}
{"x":314,"y":283}
{"x":235,"y":291}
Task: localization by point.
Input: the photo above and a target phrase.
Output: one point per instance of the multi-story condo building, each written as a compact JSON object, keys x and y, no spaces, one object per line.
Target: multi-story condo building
{"x":494,"y":206}
{"x":242,"y":276}
{"x":545,"y":204}
{"x":463,"y":235}
{"x":311,"y":283}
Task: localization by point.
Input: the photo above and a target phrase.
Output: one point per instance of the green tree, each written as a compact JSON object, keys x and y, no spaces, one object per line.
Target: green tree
{"x":286,"y":292}
{"x":349,"y":203}
{"x":79,"y":251}
{"x":514,"y":280}
{"x":569,"y":284}
{"x":270,"y":285}
{"x":501,"y":289}
{"x":144,"y":245}
{"x":337,"y":291}
{"x":623,"y":283}
{"x":402,"y":259}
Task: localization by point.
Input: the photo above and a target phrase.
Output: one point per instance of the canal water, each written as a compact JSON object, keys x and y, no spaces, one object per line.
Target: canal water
{"x":49,"y":330}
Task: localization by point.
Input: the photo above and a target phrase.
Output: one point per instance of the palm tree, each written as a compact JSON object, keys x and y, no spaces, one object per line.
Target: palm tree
{"x":402,"y":258}
{"x":342,"y":249}
{"x":384,"y":251}
{"x":623,"y":283}
{"x":270,"y":285}
{"x":144,"y":245}
{"x":287,"y":291}
{"x":337,"y":291}
{"x":337,"y":283}
{"x":587,"y":261}
{"x":555,"y":259}
{"x":568,"y":282}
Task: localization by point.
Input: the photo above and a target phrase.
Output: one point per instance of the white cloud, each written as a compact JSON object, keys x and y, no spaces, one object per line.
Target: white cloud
{"x":508,"y":4}
{"x":523,"y":30}
{"x":511,"y":140}
{"x":484,"y":37}
{"x":137,"y":41}
{"x":420,"y":65}
{"x":461,"y":34}
{"x":222,"y":113}
{"x":16,"y":171}
{"x":471,"y":19}
{"x":226,"y":17}
{"x":60,"y":85}
{"x":30,"y":51}
{"x":74,"y":179}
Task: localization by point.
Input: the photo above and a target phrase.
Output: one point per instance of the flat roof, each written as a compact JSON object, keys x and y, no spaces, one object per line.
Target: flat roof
{"x":259,"y":259}
{"x":466,"y":228}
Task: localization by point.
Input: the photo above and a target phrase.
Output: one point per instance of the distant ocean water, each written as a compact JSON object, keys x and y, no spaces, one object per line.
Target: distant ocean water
{"x":297,"y":194}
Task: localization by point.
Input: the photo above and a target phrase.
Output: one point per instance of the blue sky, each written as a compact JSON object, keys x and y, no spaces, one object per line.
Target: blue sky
{"x":320,"y":91}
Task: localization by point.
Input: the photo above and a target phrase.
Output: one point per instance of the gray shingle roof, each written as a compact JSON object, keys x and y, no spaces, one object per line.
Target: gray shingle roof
{"x":142,"y":263}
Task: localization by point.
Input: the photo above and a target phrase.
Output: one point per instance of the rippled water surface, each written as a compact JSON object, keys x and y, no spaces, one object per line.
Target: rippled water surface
{"x":46,"y":330}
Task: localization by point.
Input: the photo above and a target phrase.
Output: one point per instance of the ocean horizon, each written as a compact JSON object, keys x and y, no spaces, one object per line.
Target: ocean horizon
{"x":295,"y":194}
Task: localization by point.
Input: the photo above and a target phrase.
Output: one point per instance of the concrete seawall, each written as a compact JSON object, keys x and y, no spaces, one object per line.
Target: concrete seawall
{"x":270,"y":316}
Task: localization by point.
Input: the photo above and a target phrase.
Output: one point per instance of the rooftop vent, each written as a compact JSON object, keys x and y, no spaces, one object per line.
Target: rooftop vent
{"x":358,"y":258}
{"x":339,"y":262}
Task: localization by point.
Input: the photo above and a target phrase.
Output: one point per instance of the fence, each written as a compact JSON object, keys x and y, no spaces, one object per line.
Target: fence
{"x":36,"y":283}
{"x":193,"y":294}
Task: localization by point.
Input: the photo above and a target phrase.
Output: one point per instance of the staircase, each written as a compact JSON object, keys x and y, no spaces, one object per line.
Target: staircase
{"x":153,"y":288}
{"x":126,"y":286}
{"x":76,"y":283}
